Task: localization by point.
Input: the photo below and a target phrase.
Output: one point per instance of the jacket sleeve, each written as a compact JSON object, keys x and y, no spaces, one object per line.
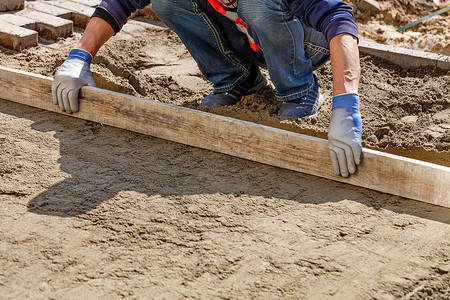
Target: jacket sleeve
{"x":332,"y":17}
{"x":116,"y":12}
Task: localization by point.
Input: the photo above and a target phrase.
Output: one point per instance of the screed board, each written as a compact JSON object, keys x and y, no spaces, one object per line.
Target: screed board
{"x":379,"y":171}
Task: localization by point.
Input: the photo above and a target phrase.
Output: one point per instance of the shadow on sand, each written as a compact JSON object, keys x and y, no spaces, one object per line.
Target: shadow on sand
{"x":102,"y":161}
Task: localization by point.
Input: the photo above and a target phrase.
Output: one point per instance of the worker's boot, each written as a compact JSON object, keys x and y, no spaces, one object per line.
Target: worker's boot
{"x":306,"y":106}
{"x":254,"y":82}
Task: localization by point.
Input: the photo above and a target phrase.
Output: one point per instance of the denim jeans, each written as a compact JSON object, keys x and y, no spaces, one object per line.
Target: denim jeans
{"x":289,"y":49}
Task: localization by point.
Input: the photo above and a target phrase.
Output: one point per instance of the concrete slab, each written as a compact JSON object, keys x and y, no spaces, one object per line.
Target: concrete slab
{"x":17,"y":38}
{"x":48,"y":26}
{"x":7,"y":5}
{"x":406,"y":58}
{"x":81,"y":14}
{"x":50,"y":9}
{"x":18,"y":20}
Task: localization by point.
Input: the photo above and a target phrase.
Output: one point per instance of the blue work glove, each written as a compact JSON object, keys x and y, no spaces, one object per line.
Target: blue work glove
{"x":344,"y":134}
{"x":73,"y":74}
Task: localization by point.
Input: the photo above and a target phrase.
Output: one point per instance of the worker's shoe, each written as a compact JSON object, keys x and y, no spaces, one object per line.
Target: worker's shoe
{"x":306,"y":106}
{"x":252,"y":84}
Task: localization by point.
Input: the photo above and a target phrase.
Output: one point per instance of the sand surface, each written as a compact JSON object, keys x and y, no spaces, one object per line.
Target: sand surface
{"x":431,"y":35}
{"x":91,"y":211}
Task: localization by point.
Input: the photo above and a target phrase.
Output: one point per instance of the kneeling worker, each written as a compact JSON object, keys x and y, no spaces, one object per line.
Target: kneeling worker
{"x":231,"y":39}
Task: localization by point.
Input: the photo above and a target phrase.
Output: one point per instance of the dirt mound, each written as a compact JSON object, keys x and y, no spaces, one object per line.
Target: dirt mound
{"x":432,"y":35}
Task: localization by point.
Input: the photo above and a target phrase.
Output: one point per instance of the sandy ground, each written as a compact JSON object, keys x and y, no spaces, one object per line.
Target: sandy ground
{"x":432,"y":35}
{"x":91,"y":211}
{"x":97,"y":212}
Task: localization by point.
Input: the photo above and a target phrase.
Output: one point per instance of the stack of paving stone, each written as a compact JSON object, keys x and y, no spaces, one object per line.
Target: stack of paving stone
{"x":22,"y":22}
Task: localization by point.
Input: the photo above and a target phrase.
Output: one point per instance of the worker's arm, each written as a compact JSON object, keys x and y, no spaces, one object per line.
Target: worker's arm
{"x":345,"y":64}
{"x":75,"y":72}
{"x":96,"y":34}
{"x":335,"y":19}
{"x":108,"y":19}
{"x":344,"y":135}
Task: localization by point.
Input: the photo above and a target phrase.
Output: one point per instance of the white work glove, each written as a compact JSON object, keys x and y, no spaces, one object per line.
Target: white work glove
{"x":73,"y":74}
{"x":344,"y":134}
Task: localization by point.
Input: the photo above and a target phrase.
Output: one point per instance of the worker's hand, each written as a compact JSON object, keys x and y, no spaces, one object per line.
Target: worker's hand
{"x":74,"y":73}
{"x":344,"y":134}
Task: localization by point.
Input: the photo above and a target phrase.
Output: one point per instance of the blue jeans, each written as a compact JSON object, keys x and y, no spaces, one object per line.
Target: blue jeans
{"x":289,"y":49}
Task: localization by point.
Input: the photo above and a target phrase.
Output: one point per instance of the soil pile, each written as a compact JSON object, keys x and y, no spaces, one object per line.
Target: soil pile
{"x":432,"y":35}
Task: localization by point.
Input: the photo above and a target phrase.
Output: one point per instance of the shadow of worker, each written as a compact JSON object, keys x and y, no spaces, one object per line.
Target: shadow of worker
{"x":102,"y":162}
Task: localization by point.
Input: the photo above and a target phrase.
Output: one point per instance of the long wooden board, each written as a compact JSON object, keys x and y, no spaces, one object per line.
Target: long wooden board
{"x":379,"y":171}
{"x":404,"y":57}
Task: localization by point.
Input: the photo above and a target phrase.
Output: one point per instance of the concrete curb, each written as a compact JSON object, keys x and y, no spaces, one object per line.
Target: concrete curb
{"x":406,"y":58}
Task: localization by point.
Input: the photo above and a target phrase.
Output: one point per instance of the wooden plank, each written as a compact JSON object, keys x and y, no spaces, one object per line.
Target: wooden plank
{"x":379,"y":171}
{"x":406,"y":58}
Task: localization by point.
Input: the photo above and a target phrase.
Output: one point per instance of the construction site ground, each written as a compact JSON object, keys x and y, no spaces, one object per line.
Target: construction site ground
{"x":91,"y":211}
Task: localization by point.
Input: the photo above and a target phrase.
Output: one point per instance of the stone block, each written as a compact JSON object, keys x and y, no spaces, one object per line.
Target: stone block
{"x":17,"y":38}
{"x":50,"y":9}
{"x":369,"y":5}
{"x":7,"y":5}
{"x":442,"y":116}
{"x":81,"y":14}
{"x":48,"y":26}
{"x":17,"y":20}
